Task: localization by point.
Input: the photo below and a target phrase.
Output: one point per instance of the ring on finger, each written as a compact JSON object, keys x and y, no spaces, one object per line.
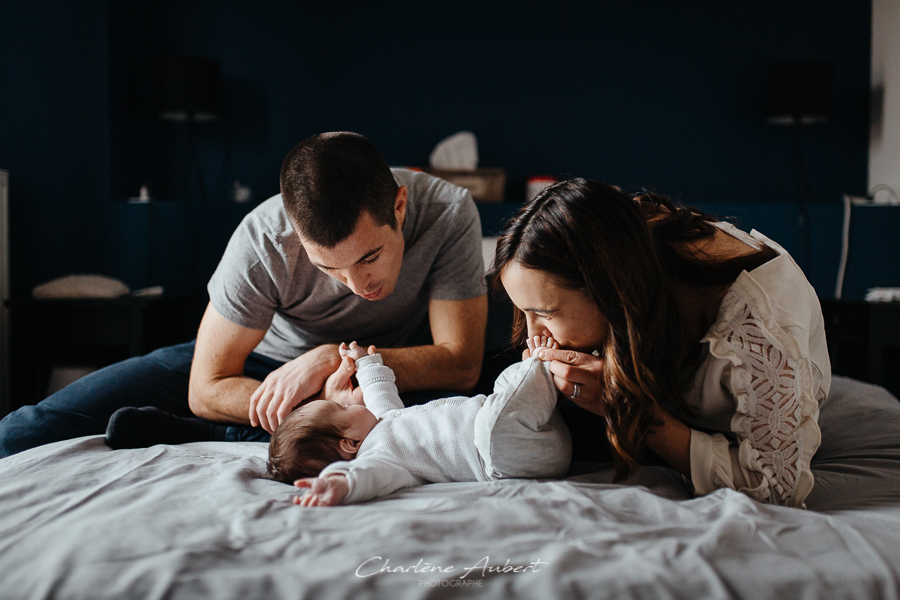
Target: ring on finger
{"x":576,"y":392}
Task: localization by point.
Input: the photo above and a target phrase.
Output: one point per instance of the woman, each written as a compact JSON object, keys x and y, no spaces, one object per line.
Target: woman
{"x":690,"y":338}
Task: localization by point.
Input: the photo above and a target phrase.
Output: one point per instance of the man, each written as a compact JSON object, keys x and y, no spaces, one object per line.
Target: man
{"x":350,"y":250}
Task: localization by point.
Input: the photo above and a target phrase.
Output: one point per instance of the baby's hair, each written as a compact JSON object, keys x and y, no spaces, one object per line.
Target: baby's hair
{"x":302,"y":447}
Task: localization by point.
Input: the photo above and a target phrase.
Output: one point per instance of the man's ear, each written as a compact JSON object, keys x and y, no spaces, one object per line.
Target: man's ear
{"x":400,"y":205}
{"x":348,"y":448}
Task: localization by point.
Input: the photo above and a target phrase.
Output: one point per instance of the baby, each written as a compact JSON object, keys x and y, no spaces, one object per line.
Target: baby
{"x":372,"y":446}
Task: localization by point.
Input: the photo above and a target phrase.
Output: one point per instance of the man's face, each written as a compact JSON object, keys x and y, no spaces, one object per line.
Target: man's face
{"x":368,"y":262}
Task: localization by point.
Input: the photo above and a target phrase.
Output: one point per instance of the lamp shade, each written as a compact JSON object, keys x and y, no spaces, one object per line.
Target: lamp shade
{"x":190,"y":89}
{"x":799,"y":92}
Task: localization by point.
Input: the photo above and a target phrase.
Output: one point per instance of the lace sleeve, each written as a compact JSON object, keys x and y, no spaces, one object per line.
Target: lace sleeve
{"x":775,"y":423}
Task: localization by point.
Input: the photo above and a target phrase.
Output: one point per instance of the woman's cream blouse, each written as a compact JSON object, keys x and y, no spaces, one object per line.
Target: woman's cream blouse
{"x":763,"y":374}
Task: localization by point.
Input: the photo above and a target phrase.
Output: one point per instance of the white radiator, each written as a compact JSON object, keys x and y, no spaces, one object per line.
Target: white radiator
{"x":4,"y":293}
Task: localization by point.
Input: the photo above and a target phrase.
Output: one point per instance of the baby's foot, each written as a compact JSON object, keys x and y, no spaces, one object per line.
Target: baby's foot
{"x":541,"y":341}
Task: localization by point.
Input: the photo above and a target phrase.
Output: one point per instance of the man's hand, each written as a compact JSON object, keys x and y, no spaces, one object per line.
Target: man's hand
{"x":291,"y":384}
{"x":322,"y":491}
{"x":340,"y":386}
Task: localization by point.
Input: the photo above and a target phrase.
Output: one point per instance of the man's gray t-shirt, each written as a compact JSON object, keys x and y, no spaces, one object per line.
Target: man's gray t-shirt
{"x":265,"y":280}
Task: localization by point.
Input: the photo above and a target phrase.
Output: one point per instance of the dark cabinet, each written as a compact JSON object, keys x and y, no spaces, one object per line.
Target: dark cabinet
{"x":89,"y":332}
{"x":864,"y":340}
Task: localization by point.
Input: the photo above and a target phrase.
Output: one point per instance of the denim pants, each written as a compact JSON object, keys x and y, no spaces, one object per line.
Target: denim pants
{"x":157,"y":379}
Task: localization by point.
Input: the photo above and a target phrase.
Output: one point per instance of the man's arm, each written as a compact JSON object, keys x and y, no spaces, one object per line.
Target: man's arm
{"x":219,"y":391}
{"x":454,"y":361}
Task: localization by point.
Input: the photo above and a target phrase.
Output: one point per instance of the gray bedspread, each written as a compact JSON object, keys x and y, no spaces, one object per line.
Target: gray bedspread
{"x":78,"y":520}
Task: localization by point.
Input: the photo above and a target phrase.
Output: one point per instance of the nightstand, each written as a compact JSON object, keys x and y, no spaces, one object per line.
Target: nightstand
{"x":89,"y":332}
{"x":864,"y":340}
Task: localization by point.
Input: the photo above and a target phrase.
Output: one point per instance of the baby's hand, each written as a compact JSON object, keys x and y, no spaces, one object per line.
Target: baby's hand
{"x":354,"y":351}
{"x":537,"y":342}
{"x":322,"y":491}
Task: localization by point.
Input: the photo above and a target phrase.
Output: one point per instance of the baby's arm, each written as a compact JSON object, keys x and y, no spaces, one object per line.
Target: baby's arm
{"x":376,"y":380}
{"x":358,"y":480}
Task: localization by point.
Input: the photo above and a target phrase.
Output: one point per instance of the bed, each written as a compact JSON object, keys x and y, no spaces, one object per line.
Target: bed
{"x":78,"y":520}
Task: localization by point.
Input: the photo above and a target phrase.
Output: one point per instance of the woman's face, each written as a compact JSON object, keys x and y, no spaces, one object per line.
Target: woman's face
{"x":570,"y":316}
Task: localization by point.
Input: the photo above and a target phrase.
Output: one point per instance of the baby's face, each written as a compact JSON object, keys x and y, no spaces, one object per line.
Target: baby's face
{"x":354,"y":420}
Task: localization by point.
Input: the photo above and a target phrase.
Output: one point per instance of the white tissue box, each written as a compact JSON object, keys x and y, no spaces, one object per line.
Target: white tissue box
{"x":486,"y":185}
{"x":883,"y":295}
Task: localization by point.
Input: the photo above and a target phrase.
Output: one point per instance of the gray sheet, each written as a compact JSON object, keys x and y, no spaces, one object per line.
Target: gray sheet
{"x":78,"y":520}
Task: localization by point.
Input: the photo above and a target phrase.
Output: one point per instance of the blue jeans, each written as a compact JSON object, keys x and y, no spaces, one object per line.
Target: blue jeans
{"x":157,"y":379}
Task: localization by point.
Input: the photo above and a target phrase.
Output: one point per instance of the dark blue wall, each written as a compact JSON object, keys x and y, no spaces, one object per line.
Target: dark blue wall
{"x":54,"y":136}
{"x":634,"y":93}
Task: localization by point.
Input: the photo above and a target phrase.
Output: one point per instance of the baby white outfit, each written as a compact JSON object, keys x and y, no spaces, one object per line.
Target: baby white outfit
{"x":516,"y":432}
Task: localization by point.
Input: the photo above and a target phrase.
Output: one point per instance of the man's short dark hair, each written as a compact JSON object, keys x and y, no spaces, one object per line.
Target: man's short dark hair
{"x":328,"y":180}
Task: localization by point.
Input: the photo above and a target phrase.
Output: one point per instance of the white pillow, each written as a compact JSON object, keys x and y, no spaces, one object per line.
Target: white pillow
{"x":81,"y":286}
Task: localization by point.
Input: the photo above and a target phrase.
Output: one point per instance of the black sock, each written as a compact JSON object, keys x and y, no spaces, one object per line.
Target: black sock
{"x":132,"y":427}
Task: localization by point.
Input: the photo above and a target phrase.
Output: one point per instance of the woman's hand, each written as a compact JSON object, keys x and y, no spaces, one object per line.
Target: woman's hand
{"x":578,"y":376}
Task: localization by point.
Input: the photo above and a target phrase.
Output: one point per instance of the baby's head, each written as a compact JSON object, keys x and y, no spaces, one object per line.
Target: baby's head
{"x":315,"y":435}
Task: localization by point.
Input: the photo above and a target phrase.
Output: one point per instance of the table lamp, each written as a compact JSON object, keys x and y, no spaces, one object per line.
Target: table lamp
{"x":798,"y":94}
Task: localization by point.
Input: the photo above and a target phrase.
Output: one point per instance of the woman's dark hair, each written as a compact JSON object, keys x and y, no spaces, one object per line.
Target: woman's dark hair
{"x":626,"y":253}
{"x":301,"y":447}
{"x":328,"y":180}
